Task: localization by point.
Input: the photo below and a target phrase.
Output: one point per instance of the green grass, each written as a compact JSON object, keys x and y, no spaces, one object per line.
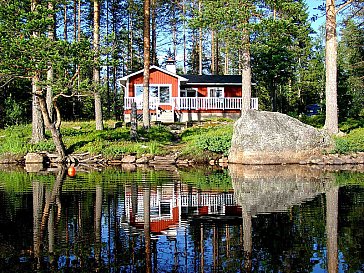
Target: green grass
{"x":352,"y":142}
{"x":207,"y":141}
{"x":80,"y":137}
{"x":202,"y":142}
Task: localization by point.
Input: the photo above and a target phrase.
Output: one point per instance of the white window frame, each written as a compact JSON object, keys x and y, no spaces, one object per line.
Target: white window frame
{"x":185,"y":90}
{"x":158,"y":86}
{"x":215,"y":87}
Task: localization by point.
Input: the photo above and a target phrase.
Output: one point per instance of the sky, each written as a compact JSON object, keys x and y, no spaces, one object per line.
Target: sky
{"x":312,"y":4}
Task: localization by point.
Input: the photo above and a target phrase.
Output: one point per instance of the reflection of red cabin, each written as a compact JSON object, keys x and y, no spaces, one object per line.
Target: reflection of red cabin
{"x":175,"y":97}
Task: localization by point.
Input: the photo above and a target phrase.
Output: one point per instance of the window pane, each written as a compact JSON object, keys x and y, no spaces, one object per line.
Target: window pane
{"x":216,"y":92}
{"x":191,"y":93}
{"x":138,"y":90}
{"x":153,"y":91}
{"x":164,"y":96}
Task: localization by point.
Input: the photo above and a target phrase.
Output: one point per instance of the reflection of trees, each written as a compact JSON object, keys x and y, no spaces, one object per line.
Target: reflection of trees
{"x":351,"y":232}
{"x":332,"y":196}
{"x":146,"y":199}
{"x":287,"y":241}
{"x":44,"y":201}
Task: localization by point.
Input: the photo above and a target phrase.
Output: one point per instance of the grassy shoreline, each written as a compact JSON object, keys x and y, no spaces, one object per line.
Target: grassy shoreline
{"x":201,"y":142}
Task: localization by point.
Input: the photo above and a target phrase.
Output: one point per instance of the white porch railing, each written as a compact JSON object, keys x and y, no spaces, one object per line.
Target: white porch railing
{"x":198,"y":103}
{"x":153,"y":102}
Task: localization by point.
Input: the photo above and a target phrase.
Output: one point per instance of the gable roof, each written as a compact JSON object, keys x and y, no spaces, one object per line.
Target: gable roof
{"x":213,"y":79}
{"x":125,"y":78}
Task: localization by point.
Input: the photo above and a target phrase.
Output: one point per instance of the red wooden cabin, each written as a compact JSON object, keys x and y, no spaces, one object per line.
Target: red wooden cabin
{"x":184,"y":97}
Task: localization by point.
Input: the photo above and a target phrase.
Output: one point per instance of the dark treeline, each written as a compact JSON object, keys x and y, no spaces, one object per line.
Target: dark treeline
{"x":54,"y":45}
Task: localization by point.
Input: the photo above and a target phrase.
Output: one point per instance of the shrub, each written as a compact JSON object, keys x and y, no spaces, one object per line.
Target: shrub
{"x":217,"y":144}
{"x":353,"y":142}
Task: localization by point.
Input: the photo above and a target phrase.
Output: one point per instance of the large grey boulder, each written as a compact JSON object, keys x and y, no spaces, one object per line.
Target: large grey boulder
{"x":273,"y":138}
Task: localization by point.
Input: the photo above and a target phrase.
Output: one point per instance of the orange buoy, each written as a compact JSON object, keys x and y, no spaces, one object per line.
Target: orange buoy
{"x":71,"y":171}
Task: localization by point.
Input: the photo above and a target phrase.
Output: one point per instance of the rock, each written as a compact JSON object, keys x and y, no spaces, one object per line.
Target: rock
{"x":142,"y":160}
{"x":34,"y":167}
{"x":163,"y":160}
{"x":128,"y":159}
{"x":273,"y":138}
{"x":34,"y":158}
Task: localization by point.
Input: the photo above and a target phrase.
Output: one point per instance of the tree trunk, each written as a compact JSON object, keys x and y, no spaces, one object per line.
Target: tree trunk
{"x":199,"y":44}
{"x":65,"y":29}
{"x":184,"y":39}
{"x":213,"y":52}
{"x":331,"y":121}
{"x":51,"y":37}
{"x":146,"y":34}
{"x":96,"y":71}
{"x":226,"y":65}
{"x":53,"y":127}
{"x":246,"y":89}
{"x":38,"y":132}
{"x":154,"y":33}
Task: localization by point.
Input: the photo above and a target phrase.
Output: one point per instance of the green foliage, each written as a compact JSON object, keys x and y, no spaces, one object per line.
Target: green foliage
{"x":350,"y":124}
{"x":217,"y":144}
{"x":353,"y":142}
{"x":15,"y":139}
{"x":213,"y":138}
{"x":317,"y":121}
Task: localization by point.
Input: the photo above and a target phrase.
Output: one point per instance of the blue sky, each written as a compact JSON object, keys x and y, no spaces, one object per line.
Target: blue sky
{"x":312,"y":4}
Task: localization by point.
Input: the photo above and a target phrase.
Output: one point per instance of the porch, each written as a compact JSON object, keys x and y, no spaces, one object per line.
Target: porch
{"x":192,"y":103}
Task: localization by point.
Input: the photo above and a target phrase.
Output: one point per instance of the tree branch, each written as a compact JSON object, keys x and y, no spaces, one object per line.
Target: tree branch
{"x":343,"y":6}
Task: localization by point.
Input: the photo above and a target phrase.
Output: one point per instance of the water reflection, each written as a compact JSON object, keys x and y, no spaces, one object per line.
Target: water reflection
{"x":245,"y":219}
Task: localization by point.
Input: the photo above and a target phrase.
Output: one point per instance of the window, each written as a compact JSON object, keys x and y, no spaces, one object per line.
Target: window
{"x":188,"y":93}
{"x":163,"y":92}
{"x":216,"y":92}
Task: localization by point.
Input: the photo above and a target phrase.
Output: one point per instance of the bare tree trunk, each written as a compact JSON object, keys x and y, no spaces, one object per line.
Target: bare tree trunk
{"x":51,"y":37}
{"x":199,"y":44}
{"x":331,"y":121}
{"x":53,"y":127}
{"x":174,"y":32}
{"x":65,"y":29}
{"x":74,"y":20}
{"x":246,"y":89}
{"x":154,"y":33}
{"x":146,"y":34}
{"x":226,"y":65}
{"x":96,"y":71}
{"x":38,"y":132}
{"x":184,"y":39}
{"x":213,"y":51}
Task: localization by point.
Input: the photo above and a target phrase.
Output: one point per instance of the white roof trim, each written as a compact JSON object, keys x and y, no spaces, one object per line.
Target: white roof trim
{"x":125,"y":78}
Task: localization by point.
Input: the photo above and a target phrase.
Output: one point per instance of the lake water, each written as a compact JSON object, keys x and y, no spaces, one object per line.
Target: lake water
{"x":241,"y":219}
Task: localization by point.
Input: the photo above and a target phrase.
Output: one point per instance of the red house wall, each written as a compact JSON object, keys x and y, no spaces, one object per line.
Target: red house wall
{"x":230,"y":91}
{"x":156,"y":77}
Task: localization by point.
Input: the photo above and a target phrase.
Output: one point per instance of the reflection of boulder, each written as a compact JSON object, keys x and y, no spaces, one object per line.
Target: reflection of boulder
{"x":273,"y":188}
{"x":270,"y":138}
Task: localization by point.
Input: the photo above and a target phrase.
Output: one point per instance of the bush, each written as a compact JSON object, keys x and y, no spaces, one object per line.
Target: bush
{"x":353,"y":142}
{"x":351,"y":124}
{"x":217,"y":144}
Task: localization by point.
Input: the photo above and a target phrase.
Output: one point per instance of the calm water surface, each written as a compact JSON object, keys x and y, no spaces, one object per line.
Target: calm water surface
{"x":241,"y":219}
